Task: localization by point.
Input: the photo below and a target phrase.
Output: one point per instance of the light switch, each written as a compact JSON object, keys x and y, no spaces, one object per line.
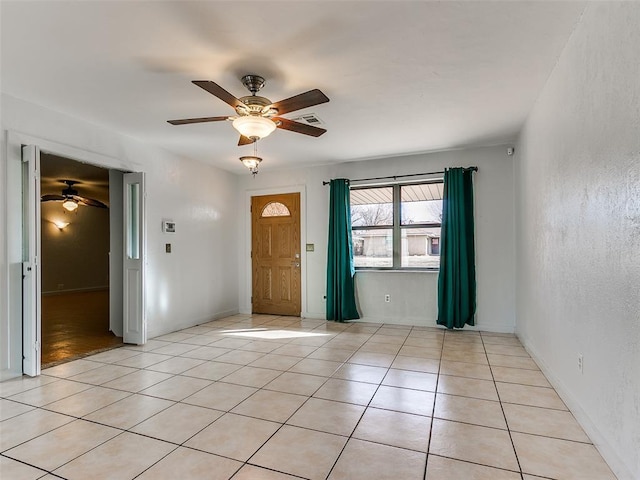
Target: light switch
{"x":310,"y":247}
{"x":167,"y":247}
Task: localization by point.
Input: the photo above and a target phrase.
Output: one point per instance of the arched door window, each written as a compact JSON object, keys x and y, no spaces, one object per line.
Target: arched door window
{"x":275,"y":209}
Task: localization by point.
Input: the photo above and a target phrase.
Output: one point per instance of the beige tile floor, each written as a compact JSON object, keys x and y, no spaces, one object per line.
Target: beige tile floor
{"x":273,"y":398}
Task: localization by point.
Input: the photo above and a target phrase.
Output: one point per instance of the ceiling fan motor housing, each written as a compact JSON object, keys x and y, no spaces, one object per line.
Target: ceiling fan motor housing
{"x":67,"y":192}
{"x":256,"y":105}
{"x":253,"y":83}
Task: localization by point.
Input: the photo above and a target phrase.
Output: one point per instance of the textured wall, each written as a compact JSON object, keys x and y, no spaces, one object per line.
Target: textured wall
{"x":578,"y":229}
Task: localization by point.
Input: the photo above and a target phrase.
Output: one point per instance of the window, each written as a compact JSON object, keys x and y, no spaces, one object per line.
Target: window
{"x":275,"y":209}
{"x":397,"y":226}
{"x":434,"y":246}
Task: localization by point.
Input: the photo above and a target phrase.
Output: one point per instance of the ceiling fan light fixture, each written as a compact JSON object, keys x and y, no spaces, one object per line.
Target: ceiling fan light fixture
{"x":253,"y":126}
{"x":70,"y":204}
{"x":251,"y":162}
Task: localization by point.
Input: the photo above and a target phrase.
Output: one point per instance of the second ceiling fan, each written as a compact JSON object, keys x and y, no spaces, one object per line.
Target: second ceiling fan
{"x":256,"y":116}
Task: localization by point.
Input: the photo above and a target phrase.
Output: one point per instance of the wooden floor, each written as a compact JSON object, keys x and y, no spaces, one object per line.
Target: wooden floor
{"x":75,"y":325}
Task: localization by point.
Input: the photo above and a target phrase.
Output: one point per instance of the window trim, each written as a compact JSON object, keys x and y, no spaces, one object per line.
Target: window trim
{"x":397,"y":226}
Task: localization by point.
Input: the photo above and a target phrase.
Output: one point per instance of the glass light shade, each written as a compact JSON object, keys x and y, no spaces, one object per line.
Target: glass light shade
{"x":253,"y":126}
{"x":250,"y":161}
{"x":61,"y":225}
{"x":69,"y":205}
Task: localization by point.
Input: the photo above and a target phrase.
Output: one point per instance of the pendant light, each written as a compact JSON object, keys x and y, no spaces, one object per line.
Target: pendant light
{"x":252,"y":161}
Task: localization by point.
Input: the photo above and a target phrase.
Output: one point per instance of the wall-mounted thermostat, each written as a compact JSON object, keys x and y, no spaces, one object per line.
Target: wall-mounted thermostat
{"x":168,"y":226}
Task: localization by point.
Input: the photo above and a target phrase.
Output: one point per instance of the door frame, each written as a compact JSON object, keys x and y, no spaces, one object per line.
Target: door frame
{"x":246,"y":306}
{"x":12,"y":341}
{"x":276,"y":303}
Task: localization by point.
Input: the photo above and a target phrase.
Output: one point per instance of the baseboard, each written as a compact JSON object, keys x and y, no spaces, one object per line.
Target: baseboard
{"x":217,"y":316}
{"x":76,"y":290}
{"x":314,"y":316}
{"x":194,"y":322}
{"x":421,"y":322}
{"x":492,"y":328}
{"x":608,"y":452}
{"x":8,"y":374}
{"x":408,"y":321}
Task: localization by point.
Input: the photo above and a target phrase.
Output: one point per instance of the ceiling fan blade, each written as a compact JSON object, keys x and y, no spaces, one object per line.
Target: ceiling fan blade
{"x":244,"y":141}
{"x":218,"y":91}
{"x":52,"y":198}
{"x":185,"y":121}
{"x":298,"y":102}
{"x":298,"y":127}
{"x":89,"y":202}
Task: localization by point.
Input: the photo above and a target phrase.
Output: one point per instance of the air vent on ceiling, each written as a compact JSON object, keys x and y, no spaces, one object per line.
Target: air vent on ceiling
{"x":309,"y":119}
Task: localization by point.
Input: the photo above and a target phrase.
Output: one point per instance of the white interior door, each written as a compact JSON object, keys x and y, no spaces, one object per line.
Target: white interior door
{"x":134,"y":319}
{"x":31,"y":273}
{"x":116,"y":251}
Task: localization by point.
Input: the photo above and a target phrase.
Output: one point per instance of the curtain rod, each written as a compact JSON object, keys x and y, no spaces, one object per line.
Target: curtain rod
{"x":395,"y":177}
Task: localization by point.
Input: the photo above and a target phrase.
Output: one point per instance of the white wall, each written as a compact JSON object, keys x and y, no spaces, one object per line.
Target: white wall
{"x":578,"y":230}
{"x":198,"y":280}
{"x":413,"y":293}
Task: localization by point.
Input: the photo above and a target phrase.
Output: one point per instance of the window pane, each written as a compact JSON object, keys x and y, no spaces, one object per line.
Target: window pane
{"x":133,"y":233}
{"x":373,"y":248}
{"x":421,"y":203}
{"x":420,"y":247}
{"x":372,"y":206}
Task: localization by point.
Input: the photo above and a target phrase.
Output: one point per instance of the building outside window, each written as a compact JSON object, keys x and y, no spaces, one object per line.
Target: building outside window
{"x":397,"y":226}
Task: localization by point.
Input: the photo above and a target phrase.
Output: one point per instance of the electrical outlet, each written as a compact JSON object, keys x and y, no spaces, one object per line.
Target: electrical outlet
{"x":580,"y":363}
{"x":387,"y":298}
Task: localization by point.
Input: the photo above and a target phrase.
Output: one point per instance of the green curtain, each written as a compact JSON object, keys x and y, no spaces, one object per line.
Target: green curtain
{"x":457,"y":278}
{"x":341,"y":301}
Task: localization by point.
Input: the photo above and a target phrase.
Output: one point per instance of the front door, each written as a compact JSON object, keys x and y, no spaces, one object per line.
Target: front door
{"x":275,"y":253}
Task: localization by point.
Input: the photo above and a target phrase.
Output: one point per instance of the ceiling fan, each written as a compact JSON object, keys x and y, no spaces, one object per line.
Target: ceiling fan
{"x":70,"y":198}
{"x":258,"y":116}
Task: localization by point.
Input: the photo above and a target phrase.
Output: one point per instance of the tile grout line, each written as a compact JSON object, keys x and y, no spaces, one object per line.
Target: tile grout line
{"x":247,"y":462}
{"x":502,"y":409}
{"x":433,"y":410}
{"x":335,"y":335}
{"x":365,"y":407}
{"x":182,"y":445}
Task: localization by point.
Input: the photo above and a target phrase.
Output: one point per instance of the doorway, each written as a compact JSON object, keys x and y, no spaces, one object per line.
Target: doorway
{"x":275,"y":254}
{"x":75,"y":260}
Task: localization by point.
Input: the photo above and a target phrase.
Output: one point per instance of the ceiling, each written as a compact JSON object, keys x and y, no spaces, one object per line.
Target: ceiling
{"x":93,"y":182}
{"x":403,"y":77}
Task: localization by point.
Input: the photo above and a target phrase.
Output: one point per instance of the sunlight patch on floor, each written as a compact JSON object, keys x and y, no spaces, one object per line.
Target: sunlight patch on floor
{"x":271,"y":334}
